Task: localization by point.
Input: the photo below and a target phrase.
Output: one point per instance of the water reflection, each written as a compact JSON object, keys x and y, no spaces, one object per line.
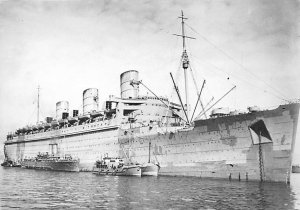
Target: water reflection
{"x":21,"y":188}
{"x":295,"y":190}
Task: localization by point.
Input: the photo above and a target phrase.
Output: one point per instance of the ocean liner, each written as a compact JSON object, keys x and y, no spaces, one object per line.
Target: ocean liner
{"x":253,"y":145}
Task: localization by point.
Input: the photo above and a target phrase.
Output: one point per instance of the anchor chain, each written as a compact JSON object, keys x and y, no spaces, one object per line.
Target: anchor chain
{"x":261,"y":161}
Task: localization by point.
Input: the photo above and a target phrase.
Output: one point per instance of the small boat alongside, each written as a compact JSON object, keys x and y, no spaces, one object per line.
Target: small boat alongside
{"x":150,"y":169}
{"x":51,"y":162}
{"x":116,"y":167}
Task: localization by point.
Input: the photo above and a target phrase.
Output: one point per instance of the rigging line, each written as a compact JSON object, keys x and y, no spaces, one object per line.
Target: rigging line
{"x":208,"y":63}
{"x":194,"y":73}
{"x":177,"y":76}
{"x":178,"y":73}
{"x":245,"y":81}
{"x":198,"y":101}
{"x":211,"y":100}
{"x":179,"y":98}
{"x":195,"y":83}
{"x":29,"y":121}
{"x":236,"y":62}
{"x":165,"y":119}
{"x":201,"y":62}
{"x":201,"y":113}
{"x":173,"y":88}
{"x":171,"y":56}
{"x":239,"y":78}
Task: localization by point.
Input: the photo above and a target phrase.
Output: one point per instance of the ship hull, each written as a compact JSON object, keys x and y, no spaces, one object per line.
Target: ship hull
{"x":150,"y":169}
{"x":217,"y":148}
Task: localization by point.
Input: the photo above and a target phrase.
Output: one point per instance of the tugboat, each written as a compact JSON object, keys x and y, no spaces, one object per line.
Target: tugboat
{"x":116,"y":167}
{"x":51,"y":162}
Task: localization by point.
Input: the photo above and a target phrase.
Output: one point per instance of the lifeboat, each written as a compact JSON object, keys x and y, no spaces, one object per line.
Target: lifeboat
{"x":72,"y":120}
{"x":63,"y":122}
{"x":28,"y":128}
{"x":252,"y":109}
{"x":9,"y":137}
{"x":95,"y":114}
{"x":20,"y":130}
{"x":219,"y":112}
{"x":34,"y":128}
{"x":84,"y":117}
{"x":47,"y":125}
{"x":40,"y":126}
{"x":235,"y":112}
{"x":54,"y":123}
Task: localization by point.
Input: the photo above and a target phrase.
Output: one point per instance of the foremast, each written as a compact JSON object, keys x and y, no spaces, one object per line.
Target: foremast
{"x":185,"y":63}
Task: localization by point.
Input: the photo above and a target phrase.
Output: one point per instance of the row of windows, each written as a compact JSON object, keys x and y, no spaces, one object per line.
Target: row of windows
{"x":98,"y":125}
{"x":75,"y":128}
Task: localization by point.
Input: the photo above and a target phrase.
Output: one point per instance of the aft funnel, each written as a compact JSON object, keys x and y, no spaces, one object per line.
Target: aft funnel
{"x":128,"y":89}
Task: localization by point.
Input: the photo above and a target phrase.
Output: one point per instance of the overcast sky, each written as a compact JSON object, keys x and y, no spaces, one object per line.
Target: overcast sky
{"x":68,"y":46}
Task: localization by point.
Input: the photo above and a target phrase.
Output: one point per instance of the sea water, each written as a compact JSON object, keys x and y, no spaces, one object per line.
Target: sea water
{"x":37,"y":189}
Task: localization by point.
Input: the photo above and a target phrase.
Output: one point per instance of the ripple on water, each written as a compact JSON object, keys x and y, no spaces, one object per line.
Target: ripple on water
{"x":27,"y":189}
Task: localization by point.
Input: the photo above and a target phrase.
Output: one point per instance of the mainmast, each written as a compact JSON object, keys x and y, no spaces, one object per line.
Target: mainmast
{"x":38,"y":106}
{"x":185,"y":61}
{"x":149,"y":151}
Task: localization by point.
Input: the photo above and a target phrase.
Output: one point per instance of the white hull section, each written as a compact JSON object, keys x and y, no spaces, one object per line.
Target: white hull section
{"x":217,"y":148}
{"x":150,"y":169}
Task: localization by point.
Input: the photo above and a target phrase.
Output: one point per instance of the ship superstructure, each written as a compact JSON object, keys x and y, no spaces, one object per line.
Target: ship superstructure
{"x":253,"y":145}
